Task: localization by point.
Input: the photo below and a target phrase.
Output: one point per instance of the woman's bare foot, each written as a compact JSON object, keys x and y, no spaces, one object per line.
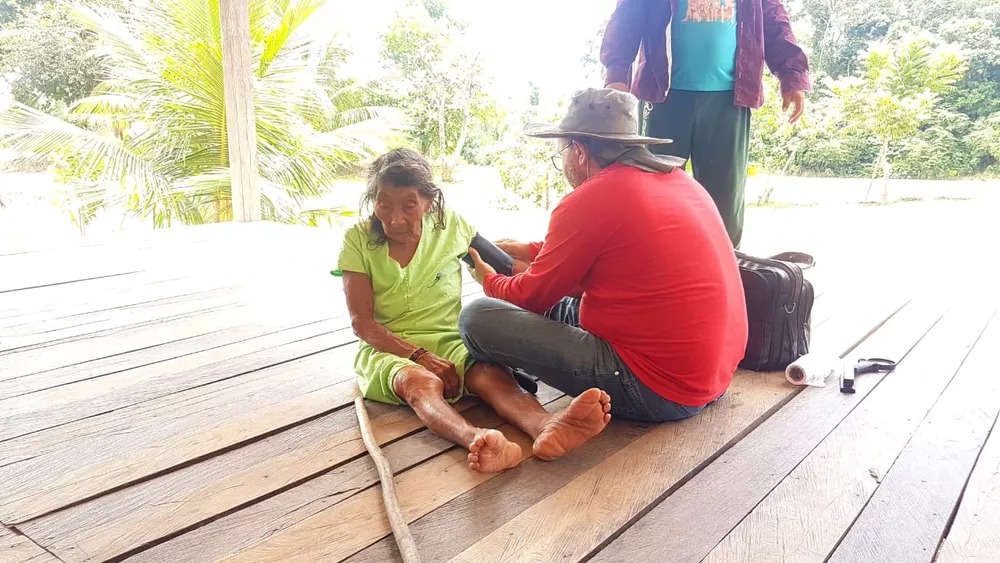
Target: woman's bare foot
{"x":583,"y":419}
{"x":491,"y":452}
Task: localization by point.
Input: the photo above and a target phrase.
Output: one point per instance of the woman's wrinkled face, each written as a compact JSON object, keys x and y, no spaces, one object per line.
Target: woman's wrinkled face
{"x":401,"y":211}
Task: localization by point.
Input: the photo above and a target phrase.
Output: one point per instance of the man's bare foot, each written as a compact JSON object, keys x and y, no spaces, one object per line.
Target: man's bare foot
{"x":491,"y":452}
{"x":583,"y":419}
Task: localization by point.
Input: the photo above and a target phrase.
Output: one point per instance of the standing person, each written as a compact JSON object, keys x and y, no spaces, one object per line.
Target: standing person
{"x":660,"y":323}
{"x":700,"y":67}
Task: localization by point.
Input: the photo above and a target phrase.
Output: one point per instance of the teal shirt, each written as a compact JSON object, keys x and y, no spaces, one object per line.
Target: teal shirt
{"x":703,"y":45}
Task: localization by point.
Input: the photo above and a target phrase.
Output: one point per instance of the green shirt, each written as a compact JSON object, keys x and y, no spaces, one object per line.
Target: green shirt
{"x":419,"y":303}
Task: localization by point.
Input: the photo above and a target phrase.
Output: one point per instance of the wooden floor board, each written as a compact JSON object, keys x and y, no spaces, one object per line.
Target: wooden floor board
{"x":126,"y":520}
{"x":230,"y":245}
{"x":613,"y":491}
{"x":618,"y":490}
{"x":16,"y":548}
{"x":909,"y":512}
{"x":974,"y":536}
{"x":30,"y":346}
{"x":32,"y":413}
{"x":69,"y":302}
{"x":142,"y":287}
{"x":80,"y":297}
{"x":164,"y":407}
{"x":505,"y":499}
{"x":60,"y":467}
{"x":127,"y":348}
{"x":253,"y":524}
{"x":219,"y":343}
{"x":805,"y":516}
{"x":537,"y":480}
{"x":720,"y":496}
{"x":53,"y":332}
{"x":188,"y":398}
{"x":359,"y":521}
{"x":80,"y":303}
{"x":42,"y":348}
{"x":184,"y":362}
{"x":115,"y":342}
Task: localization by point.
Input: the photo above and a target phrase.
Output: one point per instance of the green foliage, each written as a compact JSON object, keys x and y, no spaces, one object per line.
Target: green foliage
{"x":937,"y":151}
{"x":11,"y":9}
{"x":440,"y":86}
{"x":525,"y":163}
{"x":889,"y":117}
{"x":152,"y":139}
{"x":985,"y":140}
{"x":889,"y":47}
{"x":898,"y":91}
{"x":45,"y":55}
{"x":842,"y":30}
{"x":526,"y":169}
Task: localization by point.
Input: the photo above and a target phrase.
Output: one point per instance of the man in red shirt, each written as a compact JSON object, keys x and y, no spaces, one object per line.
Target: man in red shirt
{"x":660,"y":322}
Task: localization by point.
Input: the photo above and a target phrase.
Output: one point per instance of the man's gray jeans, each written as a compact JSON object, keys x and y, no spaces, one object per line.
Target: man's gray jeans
{"x":553,"y":348}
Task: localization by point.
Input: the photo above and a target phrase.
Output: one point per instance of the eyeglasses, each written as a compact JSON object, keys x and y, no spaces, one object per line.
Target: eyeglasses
{"x":557,"y":158}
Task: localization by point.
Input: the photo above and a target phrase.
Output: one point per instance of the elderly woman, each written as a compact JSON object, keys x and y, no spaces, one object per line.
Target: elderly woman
{"x":403,"y":282}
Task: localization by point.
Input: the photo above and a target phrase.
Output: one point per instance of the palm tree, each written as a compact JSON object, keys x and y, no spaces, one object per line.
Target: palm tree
{"x":152,"y":137}
{"x":902,"y":83}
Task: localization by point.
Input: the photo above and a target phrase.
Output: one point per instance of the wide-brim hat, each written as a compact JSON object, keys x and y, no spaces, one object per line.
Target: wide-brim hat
{"x":604,"y":114}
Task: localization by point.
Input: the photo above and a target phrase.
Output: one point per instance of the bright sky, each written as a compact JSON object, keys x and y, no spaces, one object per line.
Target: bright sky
{"x":540,"y":41}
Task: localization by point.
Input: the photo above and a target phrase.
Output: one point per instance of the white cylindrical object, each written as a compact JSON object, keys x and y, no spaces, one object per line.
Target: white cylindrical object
{"x":813,"y":370}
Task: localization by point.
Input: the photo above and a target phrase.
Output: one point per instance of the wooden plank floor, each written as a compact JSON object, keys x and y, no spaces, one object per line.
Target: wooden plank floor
{"x":187,"y":396}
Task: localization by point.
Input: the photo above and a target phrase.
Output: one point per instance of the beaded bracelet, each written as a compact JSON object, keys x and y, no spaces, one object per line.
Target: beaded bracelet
{"x":417,"y":354}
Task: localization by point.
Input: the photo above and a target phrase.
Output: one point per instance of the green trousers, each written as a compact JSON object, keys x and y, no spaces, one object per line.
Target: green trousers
{"x":714,"y":134}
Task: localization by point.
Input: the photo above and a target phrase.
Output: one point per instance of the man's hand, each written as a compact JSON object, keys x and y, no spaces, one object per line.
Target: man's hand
{"x":482,"y":269}
{"x":797,"y":99}
{"x":620,"y":86}
{"x":519,"y":251}
{"x":444,"y":370}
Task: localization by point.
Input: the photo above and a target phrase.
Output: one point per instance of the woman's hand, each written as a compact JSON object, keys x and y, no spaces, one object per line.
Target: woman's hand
{"x":480,"y":269}
{"x":445,"y":370}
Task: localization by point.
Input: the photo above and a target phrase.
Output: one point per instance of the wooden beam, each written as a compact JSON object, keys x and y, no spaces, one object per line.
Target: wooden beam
{"x":240,"y":121}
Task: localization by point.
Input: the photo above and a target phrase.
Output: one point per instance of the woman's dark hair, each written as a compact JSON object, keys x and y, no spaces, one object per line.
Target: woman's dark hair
{"x":401,"y":168}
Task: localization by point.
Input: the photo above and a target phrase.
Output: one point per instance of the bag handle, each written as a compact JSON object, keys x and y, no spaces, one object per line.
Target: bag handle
{"x":805,"y":261}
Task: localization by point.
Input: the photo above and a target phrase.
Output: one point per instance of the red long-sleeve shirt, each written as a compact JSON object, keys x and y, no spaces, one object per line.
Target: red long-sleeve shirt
{"x":659,"y":277}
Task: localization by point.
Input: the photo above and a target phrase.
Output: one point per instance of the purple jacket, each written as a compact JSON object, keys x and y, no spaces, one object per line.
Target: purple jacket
{"x":764,"y":34}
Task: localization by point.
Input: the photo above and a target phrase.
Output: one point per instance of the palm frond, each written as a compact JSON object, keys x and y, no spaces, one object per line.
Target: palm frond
{"x":293,"y":17}
{"x":29,"y":131}
{"x":152,"y":139}
{"x":106,"y":104}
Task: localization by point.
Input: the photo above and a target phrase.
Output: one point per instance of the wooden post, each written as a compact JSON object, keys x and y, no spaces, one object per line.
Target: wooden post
{"x":240,"y":121}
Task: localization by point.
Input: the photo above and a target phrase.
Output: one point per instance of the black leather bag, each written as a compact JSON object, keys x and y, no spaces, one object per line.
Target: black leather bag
{"x":779,"y":308}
